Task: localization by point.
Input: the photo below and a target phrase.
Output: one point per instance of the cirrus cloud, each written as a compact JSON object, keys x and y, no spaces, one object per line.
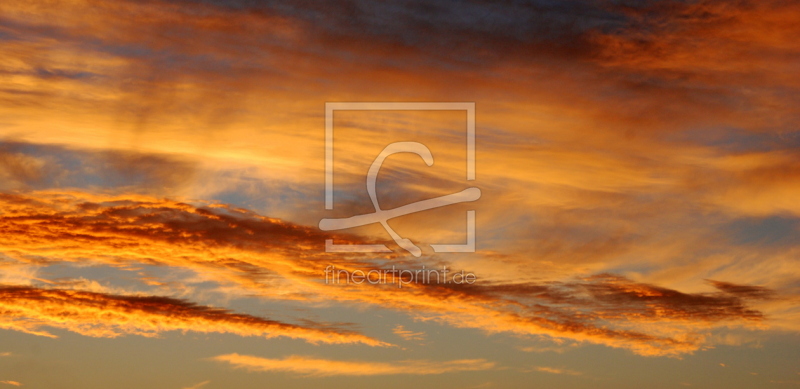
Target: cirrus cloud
{"x":309,"y":366}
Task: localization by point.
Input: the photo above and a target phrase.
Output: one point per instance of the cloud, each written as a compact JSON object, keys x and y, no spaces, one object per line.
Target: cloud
{"x":28,"y":309}
{"x":249,"y":254}
{"x":603,"y":309}
{"x":744,"y":291}
{"x":407,"y":334}
{"x":198,"y":385}
{"x":29,"y":166}
{"x":553,"y":370}
{"x":587,"y":98}
{"x":216,"y":240}
{"x":13,"y":383}
{"x":308,"y":366}
{"x":21,"y":170}
{"x":615,"y":138}
{"x":618,"y":68}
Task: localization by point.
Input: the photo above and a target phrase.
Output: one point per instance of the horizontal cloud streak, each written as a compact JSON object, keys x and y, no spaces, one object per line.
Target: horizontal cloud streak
{"x":198,"y":385}
{"x":28,"y":309}
{"x":325,"y":367}
{"x":554,"y":370}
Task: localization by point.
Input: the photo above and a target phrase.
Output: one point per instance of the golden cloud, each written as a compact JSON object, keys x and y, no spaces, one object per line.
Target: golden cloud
{"x":280,"y":260}
{"x":28,"y":309}
{"x":325,"y":367}
{"x":554,"y":370}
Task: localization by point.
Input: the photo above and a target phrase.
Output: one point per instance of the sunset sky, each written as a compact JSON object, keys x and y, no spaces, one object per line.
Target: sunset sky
{"x":162,"y":182}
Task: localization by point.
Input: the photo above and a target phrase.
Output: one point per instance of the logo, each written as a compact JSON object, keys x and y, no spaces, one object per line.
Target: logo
{"x":383,"y":215}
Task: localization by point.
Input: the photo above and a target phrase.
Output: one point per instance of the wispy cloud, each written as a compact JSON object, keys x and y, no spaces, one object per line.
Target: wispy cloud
{"x":27,"y":309}
{"x":408,"y":334}
{"x":554,"y":370}
{"x":198,"y":385}
{"x":324,"y":367}
{"x":12,"y":383}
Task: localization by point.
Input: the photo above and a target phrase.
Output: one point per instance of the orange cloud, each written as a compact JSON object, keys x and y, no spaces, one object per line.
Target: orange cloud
{"x":577,"y":132}
{"x":324,"y":367}
{"x":198,"y":385}
{"x":581,"y":137}
{"x":554,"y":370}
{"x":252,"y":254}
{"x":407,"y":334}
{"x":28,"y":309}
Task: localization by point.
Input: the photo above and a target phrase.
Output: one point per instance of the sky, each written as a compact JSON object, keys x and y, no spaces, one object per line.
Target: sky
{"x":163,"y":182}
